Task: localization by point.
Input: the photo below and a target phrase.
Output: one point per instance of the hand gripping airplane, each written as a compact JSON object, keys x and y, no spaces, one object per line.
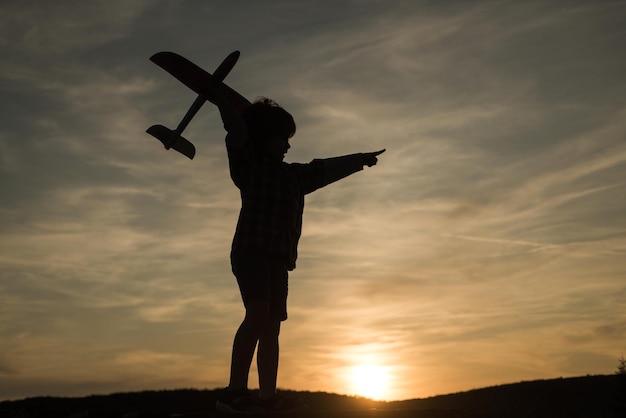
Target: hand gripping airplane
{"x":202,"y":83}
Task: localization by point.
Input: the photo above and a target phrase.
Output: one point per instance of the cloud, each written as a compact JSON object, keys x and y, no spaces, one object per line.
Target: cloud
{"x":493,"y":223}
{"x":66,"y":26}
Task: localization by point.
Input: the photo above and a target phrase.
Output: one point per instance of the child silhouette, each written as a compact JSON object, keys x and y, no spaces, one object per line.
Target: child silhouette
{"x":264,"y":247}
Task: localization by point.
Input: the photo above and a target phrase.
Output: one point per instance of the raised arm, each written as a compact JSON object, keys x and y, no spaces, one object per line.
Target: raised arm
{"x":235,"y":126}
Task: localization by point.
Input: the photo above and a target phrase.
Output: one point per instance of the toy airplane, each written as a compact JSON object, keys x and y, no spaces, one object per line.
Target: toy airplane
{"x":203,"y":83}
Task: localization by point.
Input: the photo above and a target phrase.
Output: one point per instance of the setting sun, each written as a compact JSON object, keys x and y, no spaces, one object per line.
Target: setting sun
{"x":370,"y":381}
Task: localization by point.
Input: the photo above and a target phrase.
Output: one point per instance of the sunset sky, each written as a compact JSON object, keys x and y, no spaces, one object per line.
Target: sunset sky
{"x":487,"y":247}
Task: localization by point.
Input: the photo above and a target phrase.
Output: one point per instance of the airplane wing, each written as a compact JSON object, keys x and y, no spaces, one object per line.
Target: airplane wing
{"x":198,"y":79}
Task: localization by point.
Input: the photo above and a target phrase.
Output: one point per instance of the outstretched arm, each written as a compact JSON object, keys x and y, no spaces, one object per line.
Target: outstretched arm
{"x":340,"y":167}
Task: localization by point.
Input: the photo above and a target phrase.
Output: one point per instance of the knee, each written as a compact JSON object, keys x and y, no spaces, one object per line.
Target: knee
{"x":257,"y":314}
{"x":271,"y":330}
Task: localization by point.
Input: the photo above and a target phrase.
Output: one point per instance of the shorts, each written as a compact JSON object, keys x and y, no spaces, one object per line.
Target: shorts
{"x":262,"y":278}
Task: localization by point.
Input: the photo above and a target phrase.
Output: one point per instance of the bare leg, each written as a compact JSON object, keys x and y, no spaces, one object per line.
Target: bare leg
{"x":267,"y":359}
{"x":245,"y":343}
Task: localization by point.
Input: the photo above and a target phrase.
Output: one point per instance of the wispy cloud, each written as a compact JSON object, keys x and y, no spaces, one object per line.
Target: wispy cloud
{"x":493,"y":225}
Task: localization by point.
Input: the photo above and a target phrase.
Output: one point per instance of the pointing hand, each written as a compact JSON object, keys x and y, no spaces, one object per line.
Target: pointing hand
{"x":369,"y":158}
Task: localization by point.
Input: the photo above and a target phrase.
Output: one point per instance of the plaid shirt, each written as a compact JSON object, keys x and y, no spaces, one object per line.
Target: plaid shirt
{"x":272,"y":203}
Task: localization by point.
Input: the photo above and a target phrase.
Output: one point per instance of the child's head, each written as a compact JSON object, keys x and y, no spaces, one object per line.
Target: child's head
{"x":265,"y":119}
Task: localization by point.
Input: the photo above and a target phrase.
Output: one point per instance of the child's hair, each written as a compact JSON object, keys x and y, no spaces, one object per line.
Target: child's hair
{"x":265,"y":119}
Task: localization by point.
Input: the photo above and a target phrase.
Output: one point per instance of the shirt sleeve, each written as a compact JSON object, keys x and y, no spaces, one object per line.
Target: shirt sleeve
{"x":310,"y":176}
{"x":238,"y":164}
{"x":322,"y":172}
{"x":338,"y":168}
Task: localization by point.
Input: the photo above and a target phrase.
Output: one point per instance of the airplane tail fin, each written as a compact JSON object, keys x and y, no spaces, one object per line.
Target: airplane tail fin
{"x":171,"y":139}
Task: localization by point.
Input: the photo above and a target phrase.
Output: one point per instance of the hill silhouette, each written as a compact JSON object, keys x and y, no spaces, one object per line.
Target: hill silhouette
{"x":588,"y":397}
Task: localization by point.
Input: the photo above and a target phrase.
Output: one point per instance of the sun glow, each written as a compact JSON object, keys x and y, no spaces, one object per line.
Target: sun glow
{"x":370,"y":381}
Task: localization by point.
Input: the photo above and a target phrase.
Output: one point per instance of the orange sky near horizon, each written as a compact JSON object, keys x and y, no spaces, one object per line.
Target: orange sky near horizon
{"x":487,"y":247}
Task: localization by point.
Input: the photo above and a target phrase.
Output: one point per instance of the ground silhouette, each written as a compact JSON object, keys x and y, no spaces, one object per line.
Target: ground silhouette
{"x":588,"y":397}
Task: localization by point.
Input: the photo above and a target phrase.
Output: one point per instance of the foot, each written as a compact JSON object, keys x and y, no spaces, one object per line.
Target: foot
{"x":238,"y":401}
{"x":278,"y":404}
